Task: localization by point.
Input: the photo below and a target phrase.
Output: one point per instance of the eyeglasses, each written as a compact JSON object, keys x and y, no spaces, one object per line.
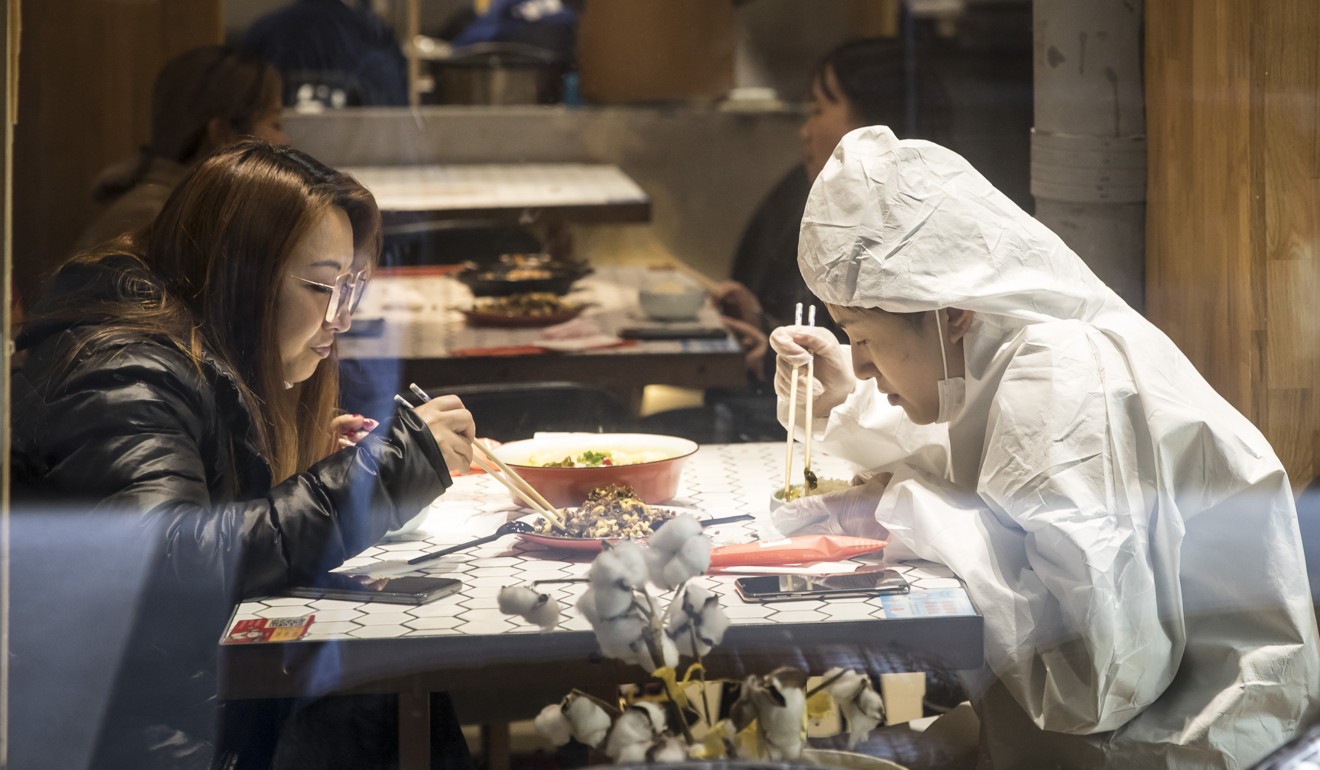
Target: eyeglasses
{"x":346,"y":292}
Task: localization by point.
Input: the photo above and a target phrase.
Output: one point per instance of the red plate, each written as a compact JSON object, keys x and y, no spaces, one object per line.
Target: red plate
{"x":478,"y":318}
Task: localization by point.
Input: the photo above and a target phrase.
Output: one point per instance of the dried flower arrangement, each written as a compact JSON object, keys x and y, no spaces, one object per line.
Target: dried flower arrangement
{"x":767,"y":721}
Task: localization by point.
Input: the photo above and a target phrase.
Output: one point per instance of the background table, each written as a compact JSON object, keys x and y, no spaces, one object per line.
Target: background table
{"x":424,"y":327}
{"x":463,"y":643}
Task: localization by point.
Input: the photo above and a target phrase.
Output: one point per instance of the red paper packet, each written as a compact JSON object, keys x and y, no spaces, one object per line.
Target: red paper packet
{"x":800,"y":549}
{"x":254,"y":630}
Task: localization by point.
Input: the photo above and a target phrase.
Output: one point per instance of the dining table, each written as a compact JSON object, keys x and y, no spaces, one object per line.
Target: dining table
{"x":411,"y":327}
{"x":498,"y":668}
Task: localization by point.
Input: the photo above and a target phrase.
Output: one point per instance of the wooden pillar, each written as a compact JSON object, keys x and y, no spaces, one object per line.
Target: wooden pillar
{"x":1233,"y":227}
{"x":87,"y":68}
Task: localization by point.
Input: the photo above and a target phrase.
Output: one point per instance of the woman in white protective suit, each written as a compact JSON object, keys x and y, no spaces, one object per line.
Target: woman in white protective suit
{"x":1129,"y":538}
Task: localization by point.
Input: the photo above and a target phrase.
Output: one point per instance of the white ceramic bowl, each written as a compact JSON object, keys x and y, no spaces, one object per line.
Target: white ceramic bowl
{"x":671,"y":301}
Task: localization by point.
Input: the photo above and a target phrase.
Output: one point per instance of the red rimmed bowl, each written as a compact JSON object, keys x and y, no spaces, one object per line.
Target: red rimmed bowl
{"x":651,"y":464}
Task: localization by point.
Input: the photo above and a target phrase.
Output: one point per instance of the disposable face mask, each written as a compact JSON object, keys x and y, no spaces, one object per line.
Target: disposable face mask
{"x":952,"y":391}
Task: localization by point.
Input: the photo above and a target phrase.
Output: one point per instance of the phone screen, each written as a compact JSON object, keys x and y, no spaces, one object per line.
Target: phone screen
{"x":405,"y":589}
{"x":784,"y":587}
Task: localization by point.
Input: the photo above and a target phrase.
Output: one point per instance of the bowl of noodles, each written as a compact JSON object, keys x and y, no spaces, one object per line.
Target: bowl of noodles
{"x":566,"y":467}
{"x":823,"y":487}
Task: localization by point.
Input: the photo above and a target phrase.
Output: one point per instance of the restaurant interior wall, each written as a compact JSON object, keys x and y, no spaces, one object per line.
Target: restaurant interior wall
{"x":1233,"y":270}
{"x":85,"y":86}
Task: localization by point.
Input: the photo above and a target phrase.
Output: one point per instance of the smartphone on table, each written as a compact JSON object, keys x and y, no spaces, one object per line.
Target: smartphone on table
{"x":404,"y":589}
{"x":840,"y":585}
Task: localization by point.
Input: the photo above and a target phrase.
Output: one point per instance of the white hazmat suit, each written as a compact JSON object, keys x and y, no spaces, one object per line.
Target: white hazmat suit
{"x":1129,"y":537}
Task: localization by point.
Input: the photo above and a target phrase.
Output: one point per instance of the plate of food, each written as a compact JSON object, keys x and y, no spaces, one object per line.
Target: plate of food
{"x":521,"y":273}
{"x":566,"y":467}
{"x":523,"y":310}
{"x":610,"y":513}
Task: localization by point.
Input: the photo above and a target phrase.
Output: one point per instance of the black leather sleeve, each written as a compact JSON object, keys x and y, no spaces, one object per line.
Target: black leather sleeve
{"x":135,"y":433}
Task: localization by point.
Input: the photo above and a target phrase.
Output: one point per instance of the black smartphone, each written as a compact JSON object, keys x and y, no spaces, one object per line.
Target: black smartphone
{"x":782,"y":588}
{"x":405,"y":589}
{"x":689,"y":332}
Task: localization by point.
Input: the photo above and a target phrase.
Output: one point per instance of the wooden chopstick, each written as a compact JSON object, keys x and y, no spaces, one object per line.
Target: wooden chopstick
{"x":550,"y":514}
{"x":811,"y":374}
{"x":514,"y":476}
{"x":508,"y":478}
{"x":792,"y":415}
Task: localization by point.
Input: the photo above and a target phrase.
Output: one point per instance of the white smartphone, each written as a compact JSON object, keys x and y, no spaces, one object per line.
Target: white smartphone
{"x":782,"y":588}
{"x":405,"y":589}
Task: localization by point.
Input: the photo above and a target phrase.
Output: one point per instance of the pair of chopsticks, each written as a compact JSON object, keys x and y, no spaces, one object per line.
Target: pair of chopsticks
{"x":501,"y":472}
{"x":792,"y":409}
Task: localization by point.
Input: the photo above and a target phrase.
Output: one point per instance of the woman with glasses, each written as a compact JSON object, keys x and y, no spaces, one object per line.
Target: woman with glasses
{"x":179,"y":378}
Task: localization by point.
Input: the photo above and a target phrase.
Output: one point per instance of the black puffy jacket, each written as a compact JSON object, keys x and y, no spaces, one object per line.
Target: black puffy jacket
{"x":134,"y":430}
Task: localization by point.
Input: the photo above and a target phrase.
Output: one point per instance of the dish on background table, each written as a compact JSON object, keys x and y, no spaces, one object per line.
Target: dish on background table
{"x":522,"y":310}
{"x":521,"y":273}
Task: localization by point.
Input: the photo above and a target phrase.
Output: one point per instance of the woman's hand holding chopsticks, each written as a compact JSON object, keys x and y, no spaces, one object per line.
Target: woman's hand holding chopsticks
{"x":453,"y":428}
{"x":484,"y":458}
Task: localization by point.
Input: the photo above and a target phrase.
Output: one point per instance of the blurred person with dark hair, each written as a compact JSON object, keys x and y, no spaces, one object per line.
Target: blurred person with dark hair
{"x":203,"y":99}
{"x":860,"y":83}
{"x":184,"y":377}
{"x":334,"y":53}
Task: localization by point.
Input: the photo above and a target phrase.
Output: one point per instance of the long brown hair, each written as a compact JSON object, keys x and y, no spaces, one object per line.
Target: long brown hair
{"x":212,"y":265}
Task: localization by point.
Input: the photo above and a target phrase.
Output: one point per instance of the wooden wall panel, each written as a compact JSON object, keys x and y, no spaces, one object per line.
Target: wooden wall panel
{"x":84,"y":88}
{"x":1233,"y":109}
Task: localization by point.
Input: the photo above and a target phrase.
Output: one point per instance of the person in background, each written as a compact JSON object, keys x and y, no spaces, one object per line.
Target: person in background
{"x":1130,"y":539}
{"x":332,"y":53}
{"x":860,"y":83}
{"x":185,"y":377}
{"x":203,"y":99}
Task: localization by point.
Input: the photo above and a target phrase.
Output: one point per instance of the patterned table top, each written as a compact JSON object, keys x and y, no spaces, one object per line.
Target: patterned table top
{"x":423,"y":319}
{"x":468,"y":630}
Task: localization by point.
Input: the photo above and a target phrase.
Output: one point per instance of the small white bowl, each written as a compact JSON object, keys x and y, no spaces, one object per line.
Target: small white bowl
{"x":671,"y":301}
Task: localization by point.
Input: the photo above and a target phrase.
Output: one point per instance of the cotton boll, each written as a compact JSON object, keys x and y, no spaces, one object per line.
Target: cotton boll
{"x":552,"y":725}
{"x":659,"y":721}
{"x":607,"y":570}
{"x":634,"y":753}
{"x":845,"y":687}
{"x":586,"y":605}
{"x":655,"y":565}
{"x":714,"y":622}
{"x":696,"y":554}
{"x":673,"y":533}
{"x":612,"y":601}
{"x":545,"y":613}
{"x":517,"y":600}
{"x":634,"y":726}
{"x":863,"y":714}
{"x":669,"y":749}
{"x":589,"y":720}
{"x":666,"y":655}
{"x":618,"y":636}
{"x":782,"y":725}
{"x":632,"y":563}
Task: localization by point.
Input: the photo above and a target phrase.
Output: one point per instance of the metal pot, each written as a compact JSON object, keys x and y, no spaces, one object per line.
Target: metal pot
{"x":497,"y":73}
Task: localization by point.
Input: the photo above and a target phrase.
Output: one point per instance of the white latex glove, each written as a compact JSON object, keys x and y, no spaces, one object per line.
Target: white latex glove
{"x":850,"y":512}
{"x":833,"y":380}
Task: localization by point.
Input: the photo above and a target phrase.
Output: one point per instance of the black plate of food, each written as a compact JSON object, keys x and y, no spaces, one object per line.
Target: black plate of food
{"x":521,"y":274}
